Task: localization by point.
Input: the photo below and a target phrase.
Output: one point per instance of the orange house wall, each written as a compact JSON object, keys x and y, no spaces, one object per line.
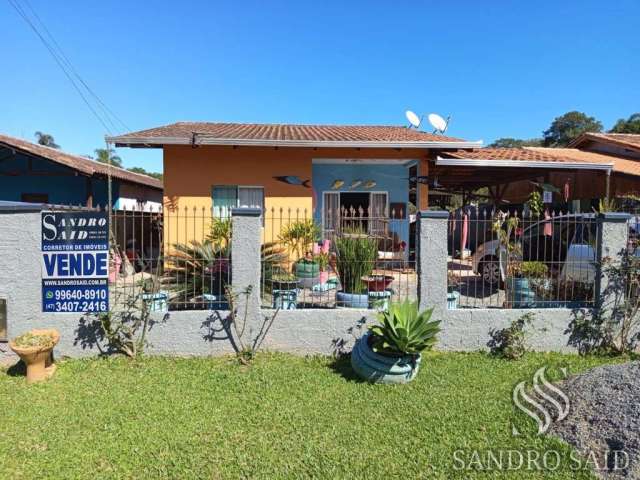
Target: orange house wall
{"x":190,"y":173}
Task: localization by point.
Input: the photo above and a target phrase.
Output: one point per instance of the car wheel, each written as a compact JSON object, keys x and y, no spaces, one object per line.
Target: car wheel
{"x":490,"y":272}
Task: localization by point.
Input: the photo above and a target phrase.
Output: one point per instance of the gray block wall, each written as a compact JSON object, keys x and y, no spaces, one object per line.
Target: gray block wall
{"x":308,"y":331}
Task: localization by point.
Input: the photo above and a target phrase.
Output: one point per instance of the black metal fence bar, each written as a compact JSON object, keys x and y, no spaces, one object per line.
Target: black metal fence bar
{"x":352,"y":258}
{"x":515,"y":260}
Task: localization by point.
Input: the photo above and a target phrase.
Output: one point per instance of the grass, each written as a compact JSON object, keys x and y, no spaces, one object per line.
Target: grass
{"x":282,"y":417}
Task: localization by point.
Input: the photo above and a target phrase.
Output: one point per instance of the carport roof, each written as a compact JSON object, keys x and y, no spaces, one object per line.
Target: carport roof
{"x":545,"y":158}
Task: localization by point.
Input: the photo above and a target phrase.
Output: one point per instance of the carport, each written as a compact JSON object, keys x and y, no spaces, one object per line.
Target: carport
{"x":506,"y":172}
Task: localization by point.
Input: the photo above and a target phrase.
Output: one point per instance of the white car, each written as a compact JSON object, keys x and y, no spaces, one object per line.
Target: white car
{"x":567,"y":246}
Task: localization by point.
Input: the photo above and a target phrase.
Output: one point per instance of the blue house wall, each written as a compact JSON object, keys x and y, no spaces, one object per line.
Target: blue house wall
{"x":393,"y":179}
{"x":62,"y":184}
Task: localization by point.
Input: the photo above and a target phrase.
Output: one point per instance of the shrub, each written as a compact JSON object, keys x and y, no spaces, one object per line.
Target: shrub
{"x":404,"y":330}
{"x":510,"y":342}
{"x":299,"y":235}
{"x":30,"y":340}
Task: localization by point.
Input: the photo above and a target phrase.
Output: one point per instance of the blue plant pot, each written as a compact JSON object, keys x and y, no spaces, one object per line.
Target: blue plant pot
{"x":157,"y":302}
{"x":520,"y":294}
{"x":377,"y":368}
{"x":452,"y":300}
{"x":352,"y":300}
{"x":285,"y":299}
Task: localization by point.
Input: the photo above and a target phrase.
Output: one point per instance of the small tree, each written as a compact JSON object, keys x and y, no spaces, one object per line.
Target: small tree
{"x":245,"y":345}
{"x":620,"y":330}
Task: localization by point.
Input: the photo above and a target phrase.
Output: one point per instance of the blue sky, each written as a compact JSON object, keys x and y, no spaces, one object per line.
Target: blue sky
{"x":500,"y":68}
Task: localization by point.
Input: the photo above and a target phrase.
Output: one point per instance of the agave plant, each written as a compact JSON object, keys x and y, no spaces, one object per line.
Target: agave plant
{"x":404,"y":330}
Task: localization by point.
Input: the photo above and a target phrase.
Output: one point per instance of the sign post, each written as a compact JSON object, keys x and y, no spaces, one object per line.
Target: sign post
{"x":75,"y":262}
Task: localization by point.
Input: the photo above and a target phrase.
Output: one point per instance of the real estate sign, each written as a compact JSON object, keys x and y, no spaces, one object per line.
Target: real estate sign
{"x":75,"y":262}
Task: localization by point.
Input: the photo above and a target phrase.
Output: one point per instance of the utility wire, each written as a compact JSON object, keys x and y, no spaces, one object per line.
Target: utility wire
{"x":105,"y":108}
{"x":25,"y":17}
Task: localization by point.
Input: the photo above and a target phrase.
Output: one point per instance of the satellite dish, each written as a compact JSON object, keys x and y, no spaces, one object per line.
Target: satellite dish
{"x":414,"y":120}
{"x":437,"y":122}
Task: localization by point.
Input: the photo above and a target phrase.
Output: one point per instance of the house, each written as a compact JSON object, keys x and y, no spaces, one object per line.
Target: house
{"x":330,"y":171}
{"x":322,"y":171}
{"x":34,"y":173}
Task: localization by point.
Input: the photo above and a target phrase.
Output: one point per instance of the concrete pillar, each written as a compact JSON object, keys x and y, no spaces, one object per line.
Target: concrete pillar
{"x":20,"y":267}
{"x":431,"y":246}
{"x":245,"y":263}
{"x":613,"y":234}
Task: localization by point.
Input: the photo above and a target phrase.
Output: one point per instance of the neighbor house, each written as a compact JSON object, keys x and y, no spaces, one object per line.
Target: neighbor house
{"x":596,"y":165}
{"x":34,"y":173}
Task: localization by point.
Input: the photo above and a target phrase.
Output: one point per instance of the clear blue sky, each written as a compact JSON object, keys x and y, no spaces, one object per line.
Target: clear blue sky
{"x":500,"y":68}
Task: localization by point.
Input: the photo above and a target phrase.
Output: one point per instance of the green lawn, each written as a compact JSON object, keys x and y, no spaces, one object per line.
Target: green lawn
{"x":283,"y":417}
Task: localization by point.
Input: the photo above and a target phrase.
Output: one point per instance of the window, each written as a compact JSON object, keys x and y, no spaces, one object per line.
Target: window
{"x":226,"y":197}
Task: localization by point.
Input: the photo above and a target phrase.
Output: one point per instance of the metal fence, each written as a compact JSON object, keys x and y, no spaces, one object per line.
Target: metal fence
{"x":177,"y":259}
{"x":351,"y":257}
{"x":515,"y":260}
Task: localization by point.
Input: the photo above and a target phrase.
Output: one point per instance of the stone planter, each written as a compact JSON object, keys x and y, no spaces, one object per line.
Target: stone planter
{"x":376,"y":368}
{"x":39,"y":360}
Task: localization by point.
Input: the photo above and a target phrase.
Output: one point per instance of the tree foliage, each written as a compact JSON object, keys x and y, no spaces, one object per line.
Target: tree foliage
{"x":108,"y":155}
{"x":142,"y":171}
{"x":569,"y":126}
{"x":630,"y":125}
{"x":508,"y":142}
{"x":46,"y":140}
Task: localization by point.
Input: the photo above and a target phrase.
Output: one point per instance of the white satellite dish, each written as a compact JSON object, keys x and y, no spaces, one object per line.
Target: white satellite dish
{"x":414,"y":120}
{"x":437,"y":122}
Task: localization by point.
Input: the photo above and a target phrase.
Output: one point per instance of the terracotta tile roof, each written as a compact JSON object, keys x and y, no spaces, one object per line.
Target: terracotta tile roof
{"x":620,"y":164}
{"x":270,"y":134}
{"x":628,"y":140}
{"x":82,"y":164}
{"x":525,"y":154}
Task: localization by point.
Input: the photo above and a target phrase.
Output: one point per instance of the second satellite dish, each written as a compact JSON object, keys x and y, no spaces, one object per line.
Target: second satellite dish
{"x":414,"y":120}
{"x":437,"y":122}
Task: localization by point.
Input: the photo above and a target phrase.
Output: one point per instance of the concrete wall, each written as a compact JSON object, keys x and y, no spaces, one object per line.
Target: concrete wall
{"x":298,"y":331}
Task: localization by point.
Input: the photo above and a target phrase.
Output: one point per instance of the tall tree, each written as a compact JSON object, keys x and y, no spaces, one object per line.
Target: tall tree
{"x":569,"y":126}
{"x":630,"y":125}
{"x":108,"y":155}
{"x":508,"y":142}
{"x":46,"y":140}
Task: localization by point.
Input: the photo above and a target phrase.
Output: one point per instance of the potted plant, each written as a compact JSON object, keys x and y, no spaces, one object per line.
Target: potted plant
{"x":453,"y":294}
{"x":377,"y":283}
{"x":35,"y":349}
{"x":537,"y":275}
{"x":153,"y":297}
{"x":518,"y":292}
{"x":284,"y":290}
{"x":390,"y":352}
{"x":355,"y":257}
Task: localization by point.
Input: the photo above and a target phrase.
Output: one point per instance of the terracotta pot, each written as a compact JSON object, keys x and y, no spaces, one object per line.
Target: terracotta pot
{"x":39,"y":360}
